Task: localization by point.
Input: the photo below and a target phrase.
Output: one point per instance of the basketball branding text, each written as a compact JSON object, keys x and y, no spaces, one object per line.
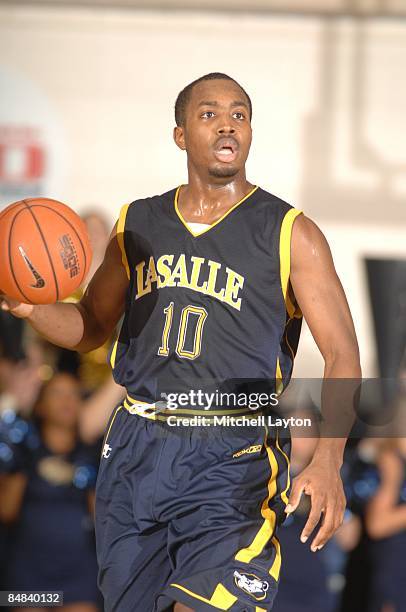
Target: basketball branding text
{"x":69,"y":256}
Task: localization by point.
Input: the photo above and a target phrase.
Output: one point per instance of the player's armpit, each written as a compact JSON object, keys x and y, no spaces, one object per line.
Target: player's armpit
{"x":104,"y":300}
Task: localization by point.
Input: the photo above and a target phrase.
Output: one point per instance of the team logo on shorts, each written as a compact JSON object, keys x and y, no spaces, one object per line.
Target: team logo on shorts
{"x":251,"y":584}
{"x":106,"y":451}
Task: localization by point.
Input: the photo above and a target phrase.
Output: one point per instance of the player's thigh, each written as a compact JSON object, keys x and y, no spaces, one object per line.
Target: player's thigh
{"x":224,"y":543}
{"x":135,"y":574}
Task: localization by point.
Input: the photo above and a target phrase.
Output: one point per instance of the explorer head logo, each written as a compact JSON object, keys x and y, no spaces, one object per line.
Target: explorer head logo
{"x":251,"y":584}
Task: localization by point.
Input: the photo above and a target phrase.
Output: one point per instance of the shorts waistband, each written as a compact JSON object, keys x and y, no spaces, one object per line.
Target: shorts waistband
{"x":159,"y":410}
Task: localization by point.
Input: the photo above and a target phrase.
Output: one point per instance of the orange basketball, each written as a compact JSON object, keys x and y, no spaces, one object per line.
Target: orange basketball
{"x":45,"y":252}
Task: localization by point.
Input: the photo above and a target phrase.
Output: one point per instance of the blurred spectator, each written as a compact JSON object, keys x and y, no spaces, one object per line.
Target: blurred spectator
{"x":310,"y":582}
{"x":20,"y":380}
{"x":11,"y":336}
{"x":92,"y":368}
{"x":386,"y":525}
{"x":99,"y":231}
{"x":48,"y":498}
{"x":361,"y":480}
{"x":97,"y":409}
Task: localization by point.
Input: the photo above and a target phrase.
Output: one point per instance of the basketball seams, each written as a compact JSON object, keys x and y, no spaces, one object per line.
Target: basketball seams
{"x":8,"y":209}
{"x":73,"y":228}
{"x":14,"y":225}
{"x":10,"y":258}
{"x":46,"y":248}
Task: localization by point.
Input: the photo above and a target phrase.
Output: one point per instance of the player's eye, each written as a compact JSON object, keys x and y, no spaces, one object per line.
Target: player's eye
{"x":207,"y":114}
{"x":239,"y":115}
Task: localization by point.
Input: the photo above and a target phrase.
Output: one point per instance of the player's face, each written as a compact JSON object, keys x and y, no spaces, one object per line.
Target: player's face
{"x":217,"y":133}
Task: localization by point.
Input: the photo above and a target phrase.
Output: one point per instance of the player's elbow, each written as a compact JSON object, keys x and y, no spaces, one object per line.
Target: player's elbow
{"x":91,"y":342}
{"x":343,"y":357}
{"x":95,"y":334}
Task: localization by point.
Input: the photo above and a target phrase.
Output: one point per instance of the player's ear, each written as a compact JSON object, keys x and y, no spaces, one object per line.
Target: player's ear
{"x":179,"y":137}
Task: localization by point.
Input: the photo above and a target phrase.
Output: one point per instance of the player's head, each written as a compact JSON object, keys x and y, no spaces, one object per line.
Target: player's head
{"x":213,"y":124}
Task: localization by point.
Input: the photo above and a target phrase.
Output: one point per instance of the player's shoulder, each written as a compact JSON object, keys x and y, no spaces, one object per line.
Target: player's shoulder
{"x":275,"y":212}
{"x":141,"y":210}
{"x":274,"y":202}
{"x":157,"y":200}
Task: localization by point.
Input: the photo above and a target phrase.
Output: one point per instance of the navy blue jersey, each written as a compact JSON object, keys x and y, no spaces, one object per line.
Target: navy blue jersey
{"x":208,"y":311}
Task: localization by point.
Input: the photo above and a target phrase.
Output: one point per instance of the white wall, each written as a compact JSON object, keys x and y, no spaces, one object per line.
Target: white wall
{"x":329,"y":121}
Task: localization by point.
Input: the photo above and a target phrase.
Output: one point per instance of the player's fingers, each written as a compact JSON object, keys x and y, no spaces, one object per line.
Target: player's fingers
{"x":333,"y":518}
{"x":18,"y":309}
{"x":298,"y":487}
{"x":325,"y":532}
{"x":7,"y":303}
{"x":314,"y":517}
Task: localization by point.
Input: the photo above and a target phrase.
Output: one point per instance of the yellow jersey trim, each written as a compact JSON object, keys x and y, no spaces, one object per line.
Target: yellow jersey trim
{"x":120,"y":237}
{"x":276,"y":566}
{"x":106,"y":437}
{"x":114,"y":349}
{"x":284,"y":255}
{"x":284,"y":496}
{"x":222,"y":599}
{"x":218,"y":220}
{"x":113,"y":354}
{"x":279,"y":378}
{"x":268,"y":526}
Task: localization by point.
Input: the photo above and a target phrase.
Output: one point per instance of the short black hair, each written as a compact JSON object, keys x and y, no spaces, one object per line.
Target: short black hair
{"x":184,"y":96}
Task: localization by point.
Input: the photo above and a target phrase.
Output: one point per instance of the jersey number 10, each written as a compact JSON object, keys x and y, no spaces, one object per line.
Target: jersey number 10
{"x":189,"y":313}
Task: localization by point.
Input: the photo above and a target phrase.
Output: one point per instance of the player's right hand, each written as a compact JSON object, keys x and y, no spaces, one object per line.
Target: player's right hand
{"x":18,"y":309}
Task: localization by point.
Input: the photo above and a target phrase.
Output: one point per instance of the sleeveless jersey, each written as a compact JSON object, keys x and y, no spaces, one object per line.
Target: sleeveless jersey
{"x":209,"y":312}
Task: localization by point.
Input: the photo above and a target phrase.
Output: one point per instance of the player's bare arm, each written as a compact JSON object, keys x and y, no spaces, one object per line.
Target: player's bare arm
{"x":87,"y":325}
{"x":322,"y":300}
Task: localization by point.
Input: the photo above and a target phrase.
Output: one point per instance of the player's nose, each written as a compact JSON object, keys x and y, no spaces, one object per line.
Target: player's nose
{"x":225,"y":129}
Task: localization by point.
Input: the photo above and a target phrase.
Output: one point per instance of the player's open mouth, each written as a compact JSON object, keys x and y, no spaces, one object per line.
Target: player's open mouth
{"x":226,"y":150}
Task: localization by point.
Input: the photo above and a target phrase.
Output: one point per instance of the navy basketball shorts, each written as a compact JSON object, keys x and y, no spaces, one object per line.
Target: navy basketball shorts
{"x":189,"y":514}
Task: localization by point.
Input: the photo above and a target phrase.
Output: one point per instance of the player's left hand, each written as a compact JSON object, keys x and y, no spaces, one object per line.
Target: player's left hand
{"x":321,"y":480}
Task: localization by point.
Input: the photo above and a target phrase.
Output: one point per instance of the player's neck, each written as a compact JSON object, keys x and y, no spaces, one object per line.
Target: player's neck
{"x":204,"y":200}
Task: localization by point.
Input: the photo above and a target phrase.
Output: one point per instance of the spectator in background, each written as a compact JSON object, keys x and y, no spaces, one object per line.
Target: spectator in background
{"x":92,"y":368}
{"x":21,"y":380}
{"x":48,"y":498}
{"x":312,"y":582}
{"x":360,"y":476}
{"x":99,"y":231}
{"x":386,"y":525}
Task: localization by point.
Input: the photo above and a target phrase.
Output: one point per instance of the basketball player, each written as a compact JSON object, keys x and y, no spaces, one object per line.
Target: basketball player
{"x":210,"y":277}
